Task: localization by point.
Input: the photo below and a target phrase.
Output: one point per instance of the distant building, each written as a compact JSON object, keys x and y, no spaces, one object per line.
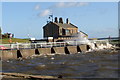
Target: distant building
{"x":60,"y":30}
{"x":8,"y":35}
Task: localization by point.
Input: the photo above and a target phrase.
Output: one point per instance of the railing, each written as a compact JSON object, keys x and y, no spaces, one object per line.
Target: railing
{"x":49,"y":44}
{"x":99,"y":41}
{"x":33,"y":45}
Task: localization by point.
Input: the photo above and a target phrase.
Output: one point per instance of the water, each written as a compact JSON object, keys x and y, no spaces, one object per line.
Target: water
{"x":95,"y":64}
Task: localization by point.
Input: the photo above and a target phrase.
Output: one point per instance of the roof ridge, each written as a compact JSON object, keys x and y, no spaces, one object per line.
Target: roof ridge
{"x":73,"y":25}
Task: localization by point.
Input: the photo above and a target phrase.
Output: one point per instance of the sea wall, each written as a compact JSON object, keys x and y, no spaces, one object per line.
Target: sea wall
{"x":59,"y":50}
{"x":8,"y":54}
{"x":44,"y":50}
{"x":27,"y":52}
{"x":72,"y":49}
{"x":24,"y":53}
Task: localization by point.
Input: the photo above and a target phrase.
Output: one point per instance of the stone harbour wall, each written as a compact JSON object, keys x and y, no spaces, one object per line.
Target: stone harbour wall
{"x":24,"y":53}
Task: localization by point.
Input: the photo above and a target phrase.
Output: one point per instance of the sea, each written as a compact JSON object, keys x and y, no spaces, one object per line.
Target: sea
{"x":94,"y":64}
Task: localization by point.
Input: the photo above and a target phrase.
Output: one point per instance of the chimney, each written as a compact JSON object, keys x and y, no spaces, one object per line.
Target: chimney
{"x":56,"y":20}
{"x":67,"y":21}
{"x":60,"y":20}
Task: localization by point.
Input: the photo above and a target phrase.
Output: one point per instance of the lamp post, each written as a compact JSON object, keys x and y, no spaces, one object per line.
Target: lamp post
{"x":10,"y":40}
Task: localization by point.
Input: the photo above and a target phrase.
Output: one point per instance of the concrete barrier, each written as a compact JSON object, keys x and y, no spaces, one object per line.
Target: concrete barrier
{"x":14,"y":54}
{"x":52,"y":51}
{"x":19,"y":55}
{"x":44,"y":50}
{"x":72,"y":49}
{"x":9,"y":54}
{"x":83,"y":48}
{"x":78,"y":49}
{"x":88,"y":47}
{"x":66,"y":50}
{"x":23,"y":53}
{"x":59,"y":50}
{"x":27,"y":52}
{"x":97,"y":45}
{"x":37,"y":52}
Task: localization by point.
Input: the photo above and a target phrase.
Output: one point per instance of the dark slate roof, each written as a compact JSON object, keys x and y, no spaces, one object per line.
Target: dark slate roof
{"x":65,"y":25}
{"x":75,"y":34}
{"x":84,"y":33}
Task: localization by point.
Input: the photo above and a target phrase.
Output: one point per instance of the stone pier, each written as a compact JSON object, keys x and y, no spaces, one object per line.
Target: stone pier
{"x":23,"y":53}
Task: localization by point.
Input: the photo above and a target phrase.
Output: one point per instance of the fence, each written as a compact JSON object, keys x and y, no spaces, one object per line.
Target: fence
{"x":33,"y":45}
{"x":99,"y":41}
{"x":49,"y":44}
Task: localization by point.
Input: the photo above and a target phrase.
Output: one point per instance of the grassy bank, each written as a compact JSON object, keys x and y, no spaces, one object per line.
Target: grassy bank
{"x":14,"y":40}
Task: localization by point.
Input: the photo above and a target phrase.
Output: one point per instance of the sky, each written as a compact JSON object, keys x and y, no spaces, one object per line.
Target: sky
{"x":97,"y":19}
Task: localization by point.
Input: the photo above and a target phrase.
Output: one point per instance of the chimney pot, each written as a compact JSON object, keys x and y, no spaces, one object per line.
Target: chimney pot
{"x":67,"y":21}
{"x":60,"y":20}
{"x":56,"y":20}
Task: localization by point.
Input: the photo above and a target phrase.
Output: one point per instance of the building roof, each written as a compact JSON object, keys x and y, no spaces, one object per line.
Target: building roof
{"x":65,"y":25}
{"x":84,"y":33}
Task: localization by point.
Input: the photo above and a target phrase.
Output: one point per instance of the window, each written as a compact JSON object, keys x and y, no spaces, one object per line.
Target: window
{"x":67,"y":32}
{"x":72,"y":31}
{"x":60,"y":31}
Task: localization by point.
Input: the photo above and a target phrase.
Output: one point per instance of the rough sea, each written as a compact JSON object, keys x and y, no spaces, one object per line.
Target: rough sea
{"x":94,"y":64}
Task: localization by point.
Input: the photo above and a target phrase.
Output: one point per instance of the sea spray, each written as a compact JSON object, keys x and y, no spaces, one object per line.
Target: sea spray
{"x":82,"y":39}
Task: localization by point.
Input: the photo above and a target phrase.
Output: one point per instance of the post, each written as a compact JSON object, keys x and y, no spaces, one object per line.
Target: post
{"x":11,"y":46}
{"x":109,"y":39}
{"x":35,"y":46}
{"x":17,"y":46}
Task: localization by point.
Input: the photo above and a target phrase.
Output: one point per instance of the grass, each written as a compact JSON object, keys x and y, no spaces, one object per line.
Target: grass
{"x":14,"y":40}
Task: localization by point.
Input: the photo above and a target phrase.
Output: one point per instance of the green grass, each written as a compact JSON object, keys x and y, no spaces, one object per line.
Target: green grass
{"x":14,"y":40}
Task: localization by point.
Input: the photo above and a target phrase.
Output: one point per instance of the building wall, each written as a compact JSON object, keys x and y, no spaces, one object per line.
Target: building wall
{"x":55,"y":31}
{"x":51,"y":30}
{"x":72,"y":31}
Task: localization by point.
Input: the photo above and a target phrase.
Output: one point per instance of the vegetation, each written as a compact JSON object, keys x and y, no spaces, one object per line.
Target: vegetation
{"x":14,"y":40}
